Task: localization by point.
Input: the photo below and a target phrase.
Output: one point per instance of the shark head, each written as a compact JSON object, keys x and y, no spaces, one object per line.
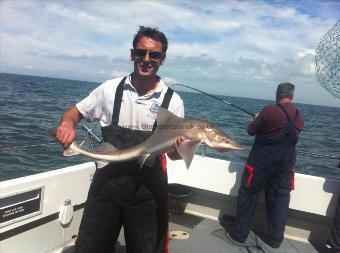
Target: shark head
{"x":219,"y":141}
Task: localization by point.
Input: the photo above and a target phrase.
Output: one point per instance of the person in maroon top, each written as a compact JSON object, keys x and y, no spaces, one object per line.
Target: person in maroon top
{"x":270,"y":166}
{"x":271,"y":121}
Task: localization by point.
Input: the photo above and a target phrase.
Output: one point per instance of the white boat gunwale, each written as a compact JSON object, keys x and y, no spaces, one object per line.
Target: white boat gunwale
{"x":214,"y":183}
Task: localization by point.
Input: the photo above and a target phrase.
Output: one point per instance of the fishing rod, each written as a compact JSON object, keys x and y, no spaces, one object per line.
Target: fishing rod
{"x":253,"y":115}
{"x":219,"y":99}
{"x":319,"y":155}
{"x":90,"y":135}
{"x":14,"y":146}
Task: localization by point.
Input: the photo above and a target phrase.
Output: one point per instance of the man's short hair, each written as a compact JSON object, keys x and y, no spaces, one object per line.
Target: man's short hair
{"x":284,"y":90}
{"x":153,"y":33}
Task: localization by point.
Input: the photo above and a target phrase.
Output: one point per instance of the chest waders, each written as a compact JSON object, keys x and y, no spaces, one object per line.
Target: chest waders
{"x":123,"y":194}
{"x":335,"y":229}
{"x":270,"y":166}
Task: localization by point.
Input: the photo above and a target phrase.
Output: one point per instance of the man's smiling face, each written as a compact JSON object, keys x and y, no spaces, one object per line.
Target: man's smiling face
{"x":147,"y":56}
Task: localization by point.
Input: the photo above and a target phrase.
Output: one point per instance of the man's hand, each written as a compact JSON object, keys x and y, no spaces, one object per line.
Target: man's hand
{"x":65,"y":134}
{"x":174,"y":155}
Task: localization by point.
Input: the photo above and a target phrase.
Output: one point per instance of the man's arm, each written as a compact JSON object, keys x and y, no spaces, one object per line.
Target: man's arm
{"x":66,"y":132}
{"x":254,"y":126}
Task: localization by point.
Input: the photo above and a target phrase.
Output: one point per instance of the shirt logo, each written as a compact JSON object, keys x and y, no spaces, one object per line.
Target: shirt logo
{"x":153,"y":109}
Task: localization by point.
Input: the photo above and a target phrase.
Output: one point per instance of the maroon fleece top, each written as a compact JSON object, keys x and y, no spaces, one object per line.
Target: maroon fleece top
{"x":271,"y":121}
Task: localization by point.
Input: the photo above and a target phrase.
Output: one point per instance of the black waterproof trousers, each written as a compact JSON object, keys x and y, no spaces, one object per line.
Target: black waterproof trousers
{"x":125,"y":197}
{"x":335,"y":230}
{"x":272,"y":169}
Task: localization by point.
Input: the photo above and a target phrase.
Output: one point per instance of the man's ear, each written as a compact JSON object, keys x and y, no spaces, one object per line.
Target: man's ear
{"x":131,"y":55}
{"x":163,"y":59}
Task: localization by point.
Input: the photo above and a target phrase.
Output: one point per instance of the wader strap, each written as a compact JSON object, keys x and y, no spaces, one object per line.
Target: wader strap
{"x":165,"y":104}
{"x":290,"y":122}
{"x":167,"y":98}
{"x":118,"y":102}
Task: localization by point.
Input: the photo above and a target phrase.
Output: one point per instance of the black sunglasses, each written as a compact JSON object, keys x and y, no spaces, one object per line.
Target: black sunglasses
{"x":141,"y":53}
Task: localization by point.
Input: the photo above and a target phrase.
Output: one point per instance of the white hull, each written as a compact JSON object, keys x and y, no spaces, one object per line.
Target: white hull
{"x":215,"y":184}
{"x":43,"y":232}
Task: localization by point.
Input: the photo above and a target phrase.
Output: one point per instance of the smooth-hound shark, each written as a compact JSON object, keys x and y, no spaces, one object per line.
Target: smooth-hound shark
{"x":169,"y":128}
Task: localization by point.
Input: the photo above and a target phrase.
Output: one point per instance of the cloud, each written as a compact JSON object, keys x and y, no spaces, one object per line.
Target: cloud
{"x":246,"y":42}
{"x":118,"y":73}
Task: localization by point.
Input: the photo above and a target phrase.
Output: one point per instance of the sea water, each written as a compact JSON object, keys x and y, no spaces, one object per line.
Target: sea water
{"x":30,"y":106}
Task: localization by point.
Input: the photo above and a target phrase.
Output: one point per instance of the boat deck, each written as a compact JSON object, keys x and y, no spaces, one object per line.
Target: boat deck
{"x":208,"y":235}
{"x":190,"y":233}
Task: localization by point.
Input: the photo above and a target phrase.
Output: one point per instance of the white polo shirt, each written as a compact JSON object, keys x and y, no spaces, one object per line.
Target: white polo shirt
{"x":136,"y":112}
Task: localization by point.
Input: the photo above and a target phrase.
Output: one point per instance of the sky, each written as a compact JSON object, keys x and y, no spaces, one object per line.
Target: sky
{"x":232,"y":48}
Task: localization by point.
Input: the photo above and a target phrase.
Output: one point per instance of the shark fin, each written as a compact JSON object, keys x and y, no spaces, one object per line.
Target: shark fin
{"x":106,"y":148}
{"x":164,"y":117}
{"x":71,"y":150}
{"x":187,"y":150}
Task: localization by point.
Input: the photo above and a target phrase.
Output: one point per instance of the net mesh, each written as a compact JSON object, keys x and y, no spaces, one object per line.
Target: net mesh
{"x":327,"y":61}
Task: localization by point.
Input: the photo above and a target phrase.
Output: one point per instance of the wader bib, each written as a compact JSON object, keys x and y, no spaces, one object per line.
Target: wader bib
{"x":123,"y":194}
{"x":270,"y":166}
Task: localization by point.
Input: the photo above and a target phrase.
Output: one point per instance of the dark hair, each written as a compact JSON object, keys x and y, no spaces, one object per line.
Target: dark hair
{"x":153,"y":33}
{"x":284,"y":90}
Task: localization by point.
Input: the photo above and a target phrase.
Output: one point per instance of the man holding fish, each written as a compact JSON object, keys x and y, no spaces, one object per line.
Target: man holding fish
{"x":141,"y":118}
{"x":127,"y":193}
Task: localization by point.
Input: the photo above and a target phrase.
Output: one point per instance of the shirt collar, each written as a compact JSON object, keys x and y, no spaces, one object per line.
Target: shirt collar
{"x":155,"y":92}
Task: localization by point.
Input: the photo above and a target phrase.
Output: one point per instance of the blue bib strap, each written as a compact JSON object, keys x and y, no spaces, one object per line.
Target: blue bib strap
{"x":118,"y":102}
{"x":290,"y":122}
{"x":165,"y":104}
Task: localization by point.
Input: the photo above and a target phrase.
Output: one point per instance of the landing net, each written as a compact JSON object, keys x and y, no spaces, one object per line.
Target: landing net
{"x":327,"y":61}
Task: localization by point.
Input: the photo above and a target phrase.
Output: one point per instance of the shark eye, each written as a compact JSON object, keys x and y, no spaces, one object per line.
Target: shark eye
{"x":227,"y":140}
